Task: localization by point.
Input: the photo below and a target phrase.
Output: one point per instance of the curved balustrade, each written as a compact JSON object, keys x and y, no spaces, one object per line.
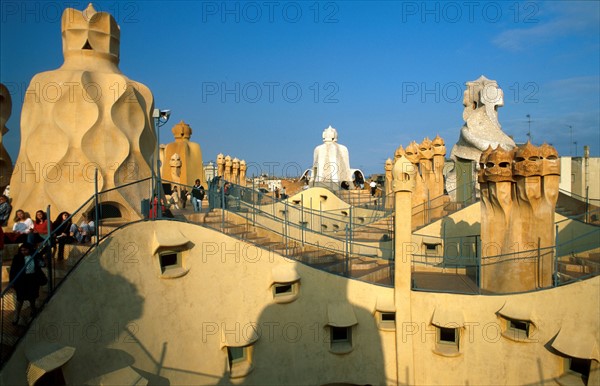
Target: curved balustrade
{"x":292,"y":231}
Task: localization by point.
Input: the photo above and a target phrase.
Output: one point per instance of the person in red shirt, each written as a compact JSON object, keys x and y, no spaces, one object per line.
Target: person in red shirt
{"x":40,"y":228}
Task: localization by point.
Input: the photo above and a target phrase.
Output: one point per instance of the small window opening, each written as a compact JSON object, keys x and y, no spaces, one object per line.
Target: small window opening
{"x":519,"y":325}
{"x":387,"y":321}
{"x":388,"y":316}
{"x":282,"y":289}
{"x":340,"y":335}
{"x":285,"y":292}
{"x":236,"y":355}
{"x":240,"y":361}
{"x":447,"y":341}
{"x":431,"y":247}
{"x":341,"y":339}
{"x":447,"y":335}
{"x":519,"y":330}
{"x":87,"y":46}
{"x":168,"y":260}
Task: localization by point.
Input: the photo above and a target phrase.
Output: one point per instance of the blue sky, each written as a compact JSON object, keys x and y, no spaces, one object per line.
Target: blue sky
{"x":261,"y":80}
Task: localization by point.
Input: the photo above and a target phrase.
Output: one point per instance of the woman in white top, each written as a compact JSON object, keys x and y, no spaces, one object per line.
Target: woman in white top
{"x":23,"y":223}
{"x":22,"y":227}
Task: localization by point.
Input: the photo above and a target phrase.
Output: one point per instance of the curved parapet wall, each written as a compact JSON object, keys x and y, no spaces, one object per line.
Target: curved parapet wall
{"x":221,"y":293}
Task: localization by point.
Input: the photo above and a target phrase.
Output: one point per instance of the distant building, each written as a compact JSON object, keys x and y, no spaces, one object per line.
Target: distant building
{"x":577,"y":173}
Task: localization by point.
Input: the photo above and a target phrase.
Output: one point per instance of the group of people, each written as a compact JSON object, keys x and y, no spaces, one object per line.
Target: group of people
{"x":62,"y":229}
{"x":26,"y":273}
{"x":178,"y":198}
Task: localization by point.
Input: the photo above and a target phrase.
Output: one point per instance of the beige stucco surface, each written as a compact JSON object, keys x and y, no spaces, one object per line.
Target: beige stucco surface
{"x":117,"y":311}
{"x":93,"y":117}
{"x":189,"y":155}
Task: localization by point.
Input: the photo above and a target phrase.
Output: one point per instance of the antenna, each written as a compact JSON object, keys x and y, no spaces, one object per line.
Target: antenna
{"x":571,"y":143}
{"x":529,"y":129}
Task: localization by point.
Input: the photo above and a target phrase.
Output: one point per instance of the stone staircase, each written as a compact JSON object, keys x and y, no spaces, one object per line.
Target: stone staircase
{"x":575,"y":207}
{"x":357,"y":197}
{"x":379,"y":230}
{"x":577,"y":266}
{"x":445,"y":208}
{"x":364,"y":268}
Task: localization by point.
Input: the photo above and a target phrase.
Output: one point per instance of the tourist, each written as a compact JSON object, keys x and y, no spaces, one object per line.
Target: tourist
{"x":226,"y":192}
{"x":197,"y":196}
{"x":283,"y":194}
{"x":359,"y":182}
{"x":202,"y":194}
{"x":62,"y":229}
{"x":174,"y":200}
{"x":83,"y":233}
{"x":183,"y":195}
{"x":373,"y":186}
{"x":276,"y":193}
{"x":22,"y":227}
{"x":153,"y":207}
{"x":5,"y":210}
{"x":40,"y":228}
{"x":27,"y":284}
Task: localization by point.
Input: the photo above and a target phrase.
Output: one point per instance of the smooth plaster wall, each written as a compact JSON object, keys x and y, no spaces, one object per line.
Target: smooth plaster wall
{"x":117,"y":312}
{"x":486,"y":357}
{"x":172,"y":321}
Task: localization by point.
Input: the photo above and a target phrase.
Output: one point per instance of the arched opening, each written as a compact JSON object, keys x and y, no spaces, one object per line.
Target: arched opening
{"x":109,"y":210}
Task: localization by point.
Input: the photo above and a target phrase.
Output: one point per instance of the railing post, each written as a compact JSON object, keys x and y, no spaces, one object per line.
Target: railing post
{"x":50,"y":259}
{"x":223,"y":205}
{"x":350,"y":234}
{"x":555,"y":276}
{"x":312,"y":212}
{"x":285,"y":227}
{"x":96,"y":208}
{"x":321,"y":215}
{"x":302,"y":216}
{"x":255,"y":202}
{"x":587,"y":203}
{"x":479,"y":262}
{"x":346,"y":271}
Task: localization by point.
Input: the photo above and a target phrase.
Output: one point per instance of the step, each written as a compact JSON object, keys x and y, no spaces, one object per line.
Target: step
{"x":379,"y":274}
{"x":258,"y":240}
{"x":318,"y":257}
{"x":573,"y":268}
